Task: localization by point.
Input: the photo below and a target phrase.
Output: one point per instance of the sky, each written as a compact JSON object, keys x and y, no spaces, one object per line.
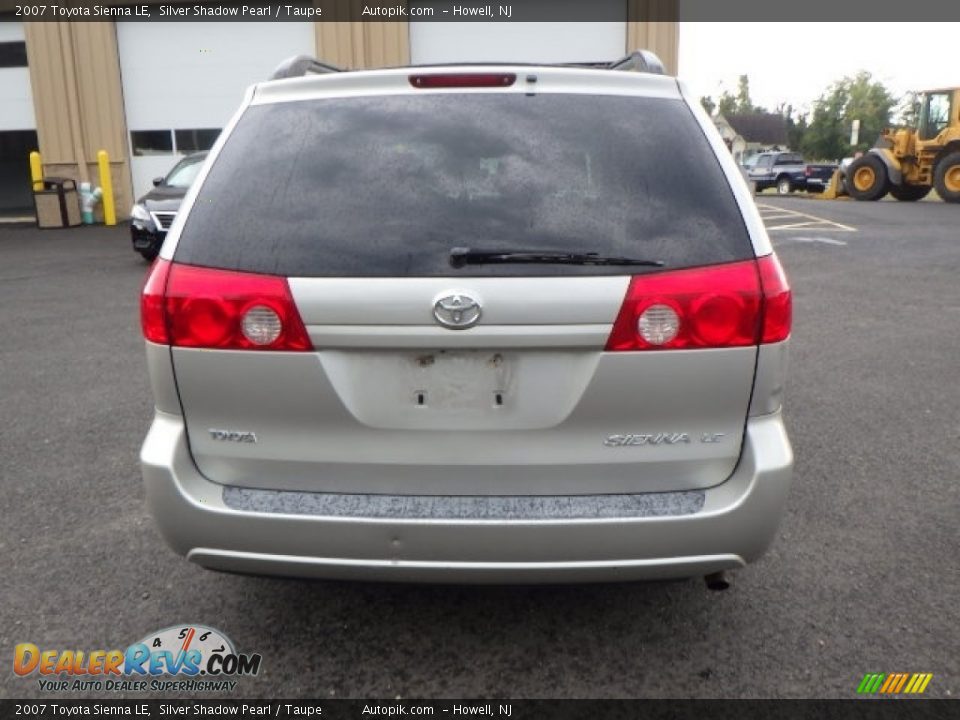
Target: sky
{"x":795,"y":62}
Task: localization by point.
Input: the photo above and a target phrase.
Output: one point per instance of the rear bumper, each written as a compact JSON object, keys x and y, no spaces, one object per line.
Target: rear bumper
{"x":733,"y":525}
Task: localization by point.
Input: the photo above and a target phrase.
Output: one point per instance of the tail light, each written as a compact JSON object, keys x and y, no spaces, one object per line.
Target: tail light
{"x":188,"y":306}
{"x":458,"y":80}
{"x":807,"y":171}
{"x":153,"y":316}
{"x":777,"y":300}
{"x":732,"y":305}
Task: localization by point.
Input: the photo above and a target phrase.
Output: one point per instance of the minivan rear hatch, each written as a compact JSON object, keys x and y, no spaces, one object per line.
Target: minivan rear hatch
{"x":358,"y":201}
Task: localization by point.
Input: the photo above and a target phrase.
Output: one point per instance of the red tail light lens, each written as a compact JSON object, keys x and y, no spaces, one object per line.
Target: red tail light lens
{"x":731,"y":305}
{"x":153,"y":317}
{"x":220,"y":309}
{"x":777,"y":300}
{"x":458,"y":80}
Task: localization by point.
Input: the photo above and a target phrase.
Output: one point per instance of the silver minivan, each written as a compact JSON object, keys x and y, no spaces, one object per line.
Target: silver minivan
{"x":474,"y":323}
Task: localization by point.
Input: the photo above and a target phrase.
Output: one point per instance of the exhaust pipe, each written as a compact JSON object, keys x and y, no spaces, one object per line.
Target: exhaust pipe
{"x":717,"y":581}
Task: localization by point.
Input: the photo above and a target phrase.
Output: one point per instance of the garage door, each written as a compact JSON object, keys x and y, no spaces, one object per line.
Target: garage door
{"x":545,"y":42}
{"x":183,"y":81}
{"x":18,"y":135}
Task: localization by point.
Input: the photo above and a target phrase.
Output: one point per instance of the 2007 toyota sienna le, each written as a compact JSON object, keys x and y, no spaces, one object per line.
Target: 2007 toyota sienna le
{"x":473,"y":323}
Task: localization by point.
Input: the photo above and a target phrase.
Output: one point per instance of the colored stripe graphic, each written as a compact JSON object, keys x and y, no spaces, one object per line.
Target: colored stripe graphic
{"x":894,"y":683}
{"x":891,"y":682}
{"x":918,"y":683}
{"x":870,"y":683}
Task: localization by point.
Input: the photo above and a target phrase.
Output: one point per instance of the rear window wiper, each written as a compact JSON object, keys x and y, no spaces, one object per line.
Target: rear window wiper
{"x":461,"y":256}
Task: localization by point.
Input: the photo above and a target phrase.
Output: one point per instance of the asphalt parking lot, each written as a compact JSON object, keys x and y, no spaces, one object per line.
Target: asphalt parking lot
{"x":863,"y":577}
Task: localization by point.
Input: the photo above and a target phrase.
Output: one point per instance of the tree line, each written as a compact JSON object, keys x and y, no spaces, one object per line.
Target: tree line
{"x":824,"y":133}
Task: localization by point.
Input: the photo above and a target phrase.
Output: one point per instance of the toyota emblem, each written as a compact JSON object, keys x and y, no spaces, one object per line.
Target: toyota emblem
{"x":457,"y":311}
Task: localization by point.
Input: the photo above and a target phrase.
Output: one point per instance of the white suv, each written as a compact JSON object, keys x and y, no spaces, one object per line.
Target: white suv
{"x":486,"y":323}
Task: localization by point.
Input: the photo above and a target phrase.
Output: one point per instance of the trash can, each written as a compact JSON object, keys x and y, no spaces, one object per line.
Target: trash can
{"x":57,"y":204}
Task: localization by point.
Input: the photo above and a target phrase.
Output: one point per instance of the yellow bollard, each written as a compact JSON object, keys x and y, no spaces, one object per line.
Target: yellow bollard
{"x":36,"y":171}
{"x":106,"y":185}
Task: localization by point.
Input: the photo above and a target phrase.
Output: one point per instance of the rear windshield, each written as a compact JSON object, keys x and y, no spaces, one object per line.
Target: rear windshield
{"x":386,"y":186}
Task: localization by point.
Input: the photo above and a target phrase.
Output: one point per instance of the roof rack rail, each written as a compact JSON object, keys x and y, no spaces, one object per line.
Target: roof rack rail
{"x":300,"y":65}
{"x":639,"y":61}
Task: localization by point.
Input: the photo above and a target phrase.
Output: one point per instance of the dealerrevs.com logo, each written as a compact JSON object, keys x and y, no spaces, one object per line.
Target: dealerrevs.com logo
{"x":178,"y":658}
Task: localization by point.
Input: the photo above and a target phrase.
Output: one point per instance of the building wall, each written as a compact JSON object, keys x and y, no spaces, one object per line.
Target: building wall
{"x":16,"y":97}
{"x":355,"y":45}
{"x":75,"y":75}
{"x":18,"y":123}
{"x":78,"y":98}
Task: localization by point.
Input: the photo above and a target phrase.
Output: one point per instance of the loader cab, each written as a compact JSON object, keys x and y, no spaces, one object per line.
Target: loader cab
{"x":936,"y":113}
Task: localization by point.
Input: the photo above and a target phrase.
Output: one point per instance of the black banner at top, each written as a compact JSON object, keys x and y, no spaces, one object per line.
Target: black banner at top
{"x":306,"y":709}
{"x":861,"y":12}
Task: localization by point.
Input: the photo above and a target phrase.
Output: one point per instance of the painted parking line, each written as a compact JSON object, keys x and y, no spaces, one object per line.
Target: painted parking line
{"x":800,"y":239}
{"x":778,"y":218}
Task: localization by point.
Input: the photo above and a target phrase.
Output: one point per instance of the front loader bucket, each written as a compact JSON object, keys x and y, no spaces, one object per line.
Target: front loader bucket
{"x":834,"y":188}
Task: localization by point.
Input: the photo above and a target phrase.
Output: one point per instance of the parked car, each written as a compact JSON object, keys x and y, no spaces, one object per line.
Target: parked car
{"x":787,"y":172}
{"x":441,"y":324}
{"x":153,"y":214}
{"x":784,"y":171}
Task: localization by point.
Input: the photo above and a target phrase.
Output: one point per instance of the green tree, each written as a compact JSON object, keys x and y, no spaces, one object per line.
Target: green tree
{"x":852,"y":98}
{"x":744,"y":103}
{"x":908,"y":111}
{"x":733,"y":104}
{"x":741,"y":103}
{"x":796,"y":128}
{"x":796,"y":132}
{"x":727,"y":104}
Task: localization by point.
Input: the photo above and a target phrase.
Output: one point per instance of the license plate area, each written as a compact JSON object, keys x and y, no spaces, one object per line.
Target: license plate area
{"x":458,"y":389}
{"x":459,"y":380}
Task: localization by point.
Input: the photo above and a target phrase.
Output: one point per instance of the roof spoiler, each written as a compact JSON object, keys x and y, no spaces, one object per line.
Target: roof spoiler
{"x":300,"y":65}
{"x":638,"y":61}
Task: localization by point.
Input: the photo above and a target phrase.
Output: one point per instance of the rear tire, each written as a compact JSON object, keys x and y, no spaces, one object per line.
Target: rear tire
{"x":784,"y":186}
{"x":946,"y":178}
{"x":867,"y":178}
{"x":148,"y":255}
{"x":909,"y":193}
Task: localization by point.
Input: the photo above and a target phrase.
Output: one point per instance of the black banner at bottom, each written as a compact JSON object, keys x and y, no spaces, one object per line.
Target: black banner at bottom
{"x":867,"y":709}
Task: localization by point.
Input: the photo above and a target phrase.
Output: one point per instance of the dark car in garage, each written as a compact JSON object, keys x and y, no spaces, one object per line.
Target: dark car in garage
{"x":153,"y":214}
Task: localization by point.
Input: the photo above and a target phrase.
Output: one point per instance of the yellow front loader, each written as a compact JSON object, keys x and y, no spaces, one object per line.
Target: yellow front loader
{"x":908,"y":162}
